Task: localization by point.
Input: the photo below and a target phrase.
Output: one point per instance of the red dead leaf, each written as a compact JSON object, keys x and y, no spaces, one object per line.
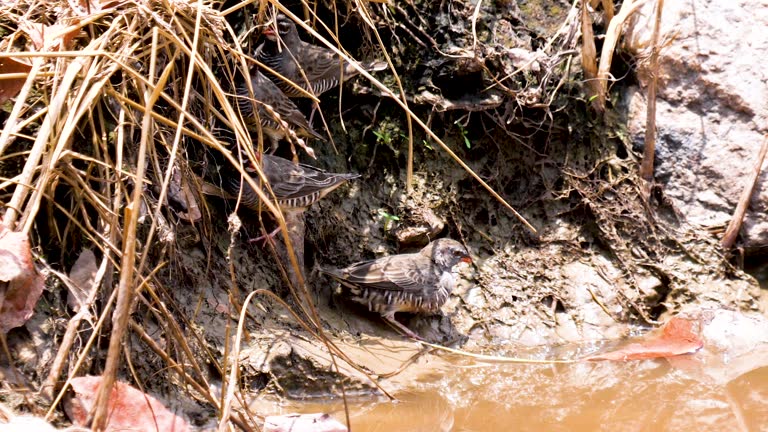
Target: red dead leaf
{"x":20,"y":283}
{"x":10,"y":87}
{"x":129,"y":408}
{"x":677,"y":337}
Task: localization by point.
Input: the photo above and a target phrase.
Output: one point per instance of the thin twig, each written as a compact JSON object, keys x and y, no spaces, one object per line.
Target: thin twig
{"x":738,"y":215}
{"x":41,"y":143}
{"x":126,"y":289}
{"x":646,"y":166}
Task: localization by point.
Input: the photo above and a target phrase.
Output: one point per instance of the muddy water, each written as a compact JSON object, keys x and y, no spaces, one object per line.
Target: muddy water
{"x":649,"y":396}
{"x":707,"y":391}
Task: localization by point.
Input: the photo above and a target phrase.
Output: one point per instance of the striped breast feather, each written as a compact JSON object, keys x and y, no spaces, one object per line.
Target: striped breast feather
{"x":324,"y":85}
{"x":247,"y":195}
{"x":299,"y":201}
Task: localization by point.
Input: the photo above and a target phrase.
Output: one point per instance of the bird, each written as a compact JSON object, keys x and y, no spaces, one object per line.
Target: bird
{"x":314,"y":68}
{"x":295,"y":186}
{"x":418,"y":282}
{"x":267,"y":93}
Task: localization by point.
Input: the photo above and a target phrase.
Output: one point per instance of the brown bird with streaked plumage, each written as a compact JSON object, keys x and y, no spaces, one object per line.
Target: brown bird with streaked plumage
{"x":265,"y":92}
{"x":416,"y":282}
{"x":296,"y":187}
{"x":314,"y":68}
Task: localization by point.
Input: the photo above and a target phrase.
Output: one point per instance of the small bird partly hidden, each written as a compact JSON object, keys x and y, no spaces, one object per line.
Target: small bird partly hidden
{"x":296,"y":187}
{"x":314,"y":68}
{"x":265,"y":92}
{"x":416,"y":282}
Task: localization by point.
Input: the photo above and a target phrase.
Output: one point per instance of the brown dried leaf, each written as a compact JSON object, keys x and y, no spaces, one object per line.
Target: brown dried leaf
{"x":82,"y":275}
{"x":10,"y":87}
{"x":20,"y":283}
{"x":55,"y":37}
{"x":677,"y":337}
{"x":129,"y":408}
{"x":180,"y":191}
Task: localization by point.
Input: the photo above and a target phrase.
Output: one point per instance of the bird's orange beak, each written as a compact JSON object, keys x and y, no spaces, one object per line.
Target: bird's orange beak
{"x":467,"y":260}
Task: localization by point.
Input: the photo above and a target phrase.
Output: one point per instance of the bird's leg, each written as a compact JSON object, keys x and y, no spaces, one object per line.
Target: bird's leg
{"x":315,"y":107}
{"x":266,"y":238}
{"x":294,"y":221}
{"x":390,"y":317}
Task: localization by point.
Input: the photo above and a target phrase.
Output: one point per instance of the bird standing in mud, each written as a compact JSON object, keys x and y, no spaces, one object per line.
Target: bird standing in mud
{"x":417,"y":282}
{"x":265,"y":92}
{"x":313,"y":68}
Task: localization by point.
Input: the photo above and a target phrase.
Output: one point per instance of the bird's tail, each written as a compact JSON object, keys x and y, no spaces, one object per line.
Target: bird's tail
{"x":313,"y":133}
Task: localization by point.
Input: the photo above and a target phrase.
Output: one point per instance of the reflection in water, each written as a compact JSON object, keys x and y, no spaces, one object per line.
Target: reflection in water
{"x":647,"y":395}
{"x":723,"y":387}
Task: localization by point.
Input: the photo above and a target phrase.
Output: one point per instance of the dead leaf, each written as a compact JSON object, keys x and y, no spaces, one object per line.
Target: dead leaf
{"x":57,"y":37}
{"x":129,"y":408}
{"x":10,"y":87}
{"x":180,"y":190}
{"x":303,"y":423}
{"x":677,"y":337}
{"x":20,"y":284}
{"x":82,"y":275}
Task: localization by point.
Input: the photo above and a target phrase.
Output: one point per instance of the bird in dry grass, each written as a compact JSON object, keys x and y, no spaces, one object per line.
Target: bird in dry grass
{"x":314,"y":68}
{"x":265,"y":92}
{"x":296,"y":186}
{"x":416,"y":282}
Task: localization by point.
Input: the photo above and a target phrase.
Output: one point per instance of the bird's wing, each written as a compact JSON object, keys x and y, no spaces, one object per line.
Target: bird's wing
{"x":408,"y":272}
{"x":295,"y":181}
{"x":285,"y":178}
{"x":323,"y":68}
{"x":267,"y":92}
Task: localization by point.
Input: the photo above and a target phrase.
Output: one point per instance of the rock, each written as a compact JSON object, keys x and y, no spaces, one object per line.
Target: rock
{"x":426,"y":227}
{"x":303,"y":423}
{"x":711,"y":112}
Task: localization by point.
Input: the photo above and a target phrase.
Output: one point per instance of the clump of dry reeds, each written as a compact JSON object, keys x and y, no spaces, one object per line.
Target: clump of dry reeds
{"x":108,"y":97}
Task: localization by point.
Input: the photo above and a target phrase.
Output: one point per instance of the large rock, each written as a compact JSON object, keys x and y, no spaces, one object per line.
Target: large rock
{"x":711,"y":107}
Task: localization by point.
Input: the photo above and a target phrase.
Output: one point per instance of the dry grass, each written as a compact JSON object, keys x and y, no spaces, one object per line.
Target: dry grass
{"x":115,"y":94}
